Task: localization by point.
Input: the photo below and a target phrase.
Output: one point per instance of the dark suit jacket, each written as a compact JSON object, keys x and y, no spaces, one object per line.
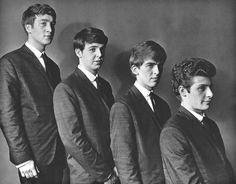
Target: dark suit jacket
{"x":194,"y":153}
{"x":26,"y":110}
{"x":135,"y":131}
{"x":83,"y":121}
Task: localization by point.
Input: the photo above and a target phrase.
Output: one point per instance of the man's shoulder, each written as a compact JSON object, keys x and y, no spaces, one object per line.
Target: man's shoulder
{"x":71,"y":79}
{"x":13,"y":54}
{"x":128,"y":98}
{"x":178,"y":120}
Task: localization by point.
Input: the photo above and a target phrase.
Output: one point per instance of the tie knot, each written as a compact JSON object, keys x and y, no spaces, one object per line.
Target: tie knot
{"x":151,"y":94}
{"x":44,"y":56}
{"x":205,"y":120}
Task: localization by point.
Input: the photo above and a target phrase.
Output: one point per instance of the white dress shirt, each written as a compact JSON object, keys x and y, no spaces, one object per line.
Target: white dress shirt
{"x":37,"y":53}
{"x":145,"y":92}
{"x":89,"y":75}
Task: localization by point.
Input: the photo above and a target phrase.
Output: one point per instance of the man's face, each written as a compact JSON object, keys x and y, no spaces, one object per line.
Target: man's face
{"x":199,"y":97}
{"x":42,"y":31}
{"x":92,"y":56}
{"x":148,"y":74}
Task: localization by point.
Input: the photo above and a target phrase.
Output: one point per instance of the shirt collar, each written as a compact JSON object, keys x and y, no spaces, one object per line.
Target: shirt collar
{"x":88,"y":74}
{"x":196,"y":115}
{"x":145,"y":92}
{"x":36,"y":52}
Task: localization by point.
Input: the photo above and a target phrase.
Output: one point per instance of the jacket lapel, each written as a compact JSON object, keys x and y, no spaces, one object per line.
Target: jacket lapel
{"x":36,"y":64}
{"x":208,"y":132}
{"x":145,"y":106}
{"x":90,"y":87}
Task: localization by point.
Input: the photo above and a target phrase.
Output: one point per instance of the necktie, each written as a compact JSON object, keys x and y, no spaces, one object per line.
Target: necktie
{"x":205,"y":120}
{"x":101,"y":92}
{"x":48,"y":70}
{"x":99,"y":86}
{"x":153,"y":101}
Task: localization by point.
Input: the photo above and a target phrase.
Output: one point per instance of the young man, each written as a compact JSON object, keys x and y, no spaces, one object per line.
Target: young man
{"x":137,"y":119}
{"x":27,"y":81}
{"x":81,"y":104}
{"x":192,"y":148}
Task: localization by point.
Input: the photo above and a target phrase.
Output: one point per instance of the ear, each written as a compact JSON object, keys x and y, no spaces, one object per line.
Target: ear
{"x":28,"y":28}
{"x":182,"y":91}
{"x":135,"y":70}
{"x":78,"y":53}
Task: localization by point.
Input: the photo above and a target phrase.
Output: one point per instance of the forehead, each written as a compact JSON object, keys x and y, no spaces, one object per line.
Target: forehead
{"x":44,"y":17}
{"x":201,"y":80}
{"x":97,"y":45}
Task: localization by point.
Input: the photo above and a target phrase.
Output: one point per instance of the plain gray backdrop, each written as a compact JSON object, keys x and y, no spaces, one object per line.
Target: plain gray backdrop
{"x":185,"y":28}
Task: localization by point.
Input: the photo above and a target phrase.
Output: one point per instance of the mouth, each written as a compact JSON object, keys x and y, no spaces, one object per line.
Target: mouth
{"x":154,"y":78}
{"x":98,"y":61}
{"x":48,"y":37}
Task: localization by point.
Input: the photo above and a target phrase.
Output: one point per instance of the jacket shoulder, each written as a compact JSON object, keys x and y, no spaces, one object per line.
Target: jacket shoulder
{"x":126,"y":98}
{"x":13,"y":54}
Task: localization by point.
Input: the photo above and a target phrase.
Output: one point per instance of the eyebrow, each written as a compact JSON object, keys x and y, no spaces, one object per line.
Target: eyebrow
{"x":96,"y":46}
{"x":151,"y":62}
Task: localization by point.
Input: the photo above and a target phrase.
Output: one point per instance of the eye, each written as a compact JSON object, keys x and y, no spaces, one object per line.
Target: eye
{"x":202,"y":88}
{"x":150,"y":65}
{"x":43,"y":24}
{"x":53,"y":23}
{"x":93,"y":49}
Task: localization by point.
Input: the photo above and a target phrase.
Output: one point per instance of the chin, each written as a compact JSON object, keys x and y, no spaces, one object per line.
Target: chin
{"x":153,"y":85}
{"x":205,"y":108}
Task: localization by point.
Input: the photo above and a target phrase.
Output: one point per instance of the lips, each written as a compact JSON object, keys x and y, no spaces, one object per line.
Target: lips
{"x":99,"y":61}
{"x":48,"y":37}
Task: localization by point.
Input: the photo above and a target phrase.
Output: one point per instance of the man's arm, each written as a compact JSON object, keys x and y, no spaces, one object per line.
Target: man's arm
{"x":71,"y":129}
{"x":123,"y":144}
{"x":178,"y":162}
{"x":11,"y":120}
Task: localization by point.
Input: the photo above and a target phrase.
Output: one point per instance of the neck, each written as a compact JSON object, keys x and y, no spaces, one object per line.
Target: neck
{"x":200,"y":112}
{"x":36,"y":45}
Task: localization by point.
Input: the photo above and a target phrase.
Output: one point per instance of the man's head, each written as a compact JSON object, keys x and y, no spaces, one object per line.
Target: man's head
{"x":191,"y":82}
{"x":39,"y":23}
{"x":89,"y":45}
{"x":146,"y":63}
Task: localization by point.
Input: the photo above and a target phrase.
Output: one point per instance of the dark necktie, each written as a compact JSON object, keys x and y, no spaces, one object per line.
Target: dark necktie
{"x":205,"y":121}
{"x":99,"y":86}
{"x":48,"y":70}
{"x":100,"y":91}
{"x":153,"y":101}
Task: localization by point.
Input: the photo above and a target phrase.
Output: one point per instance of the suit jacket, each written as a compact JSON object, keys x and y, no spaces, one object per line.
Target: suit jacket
{"x":27,"y":117}
{"x":135,"y":131}
{"x":83,"y":120}
{"x":193,"y":152}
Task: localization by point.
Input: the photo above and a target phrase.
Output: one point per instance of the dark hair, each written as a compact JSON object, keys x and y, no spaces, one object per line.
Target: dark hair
{"x":183,"y":72}
{"x":89,"y":35}
{"x":29,"y":15}
{"x":147,"y":50}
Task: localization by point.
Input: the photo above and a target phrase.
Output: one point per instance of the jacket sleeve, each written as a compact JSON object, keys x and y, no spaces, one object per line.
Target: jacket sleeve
{"x":178,"y":162}
{"x":123,"y":144}
{"x":70,"y":125}
{"x":11,"y":121}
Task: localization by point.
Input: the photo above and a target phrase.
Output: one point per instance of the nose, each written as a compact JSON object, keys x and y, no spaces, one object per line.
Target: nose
{"x":49,"y":27}
{"x":98,"y":53}
{"x":209,"y":92}
{"x":156,"y":69}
